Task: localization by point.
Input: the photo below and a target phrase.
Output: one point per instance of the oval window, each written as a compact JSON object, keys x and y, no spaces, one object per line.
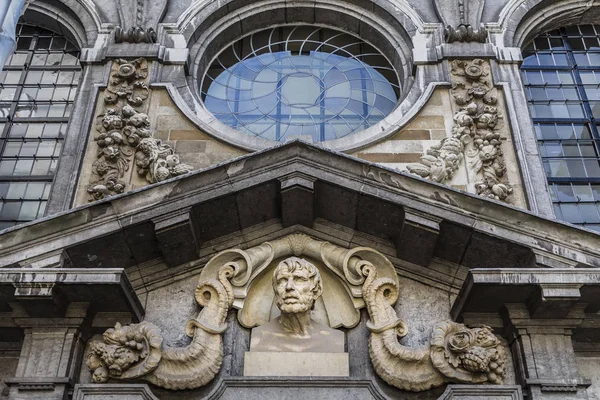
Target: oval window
{"x":300,"y":80}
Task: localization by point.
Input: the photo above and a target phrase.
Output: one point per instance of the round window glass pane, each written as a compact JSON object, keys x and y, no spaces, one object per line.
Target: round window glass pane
{"x":293,"y":81}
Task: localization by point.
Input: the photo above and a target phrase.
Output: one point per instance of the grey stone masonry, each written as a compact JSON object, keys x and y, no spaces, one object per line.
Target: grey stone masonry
{"x":122,"y":281}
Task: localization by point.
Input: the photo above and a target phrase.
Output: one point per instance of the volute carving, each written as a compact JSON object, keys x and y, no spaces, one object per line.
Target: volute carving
{"x":124,"y":130}
{"x":465,"y":33}
{"x":455,"y":353}
{"x":461,"y":17}
{"x":137,"y":351}
{"x":476,"y":135}
{"x":139,"y":20}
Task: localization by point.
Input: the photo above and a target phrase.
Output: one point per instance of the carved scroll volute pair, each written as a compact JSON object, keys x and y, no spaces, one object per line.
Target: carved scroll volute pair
{"x":137,"y":351}
{"x":455,"y":353}
{"x":359,"y":277}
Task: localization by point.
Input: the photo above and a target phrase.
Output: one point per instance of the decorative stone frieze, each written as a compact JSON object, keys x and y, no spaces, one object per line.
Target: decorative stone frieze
{"x":354,"y":278}
{"x":139,"y":20}
{"x":135,"y":35}
{"x":465,"y":33}
{"x":476,"y":137}
{"x":124,"y":135}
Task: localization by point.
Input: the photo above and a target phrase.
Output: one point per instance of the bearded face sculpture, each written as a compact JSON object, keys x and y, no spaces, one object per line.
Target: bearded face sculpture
{"x":297,"y":284}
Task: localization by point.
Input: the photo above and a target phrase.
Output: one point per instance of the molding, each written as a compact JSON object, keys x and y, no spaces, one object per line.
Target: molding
{"x":133,"y":391}
{"x":199,"y":9}
{"x":332,"y":384}
{"x":472,"y":392}
{"x":80,"y":279}
{"x":113,"y":215}
{"x":549,"y":284}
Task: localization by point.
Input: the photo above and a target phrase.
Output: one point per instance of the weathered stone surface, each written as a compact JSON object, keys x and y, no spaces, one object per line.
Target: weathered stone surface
{"x":295,"y":364}
{"x":296,"y":388}
{"x":113,"y":392}
{"x":477,"y":392}
{"x":543,"y":266}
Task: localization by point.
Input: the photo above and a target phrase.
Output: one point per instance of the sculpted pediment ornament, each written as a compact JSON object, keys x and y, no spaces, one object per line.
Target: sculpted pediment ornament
{"x":351,"y":279}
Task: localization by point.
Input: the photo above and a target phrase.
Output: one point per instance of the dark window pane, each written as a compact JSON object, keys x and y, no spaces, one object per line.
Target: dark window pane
{"x":570,"y":213}
{"x":576,"y":169}
{"x":35,"y":190}
{"x":565,"y":193}
{"x":10,"y":211}
{"x":16,"y":190}
{"x":589,"y":213}
{"x":583,"y":193}
{"x":29,"y":210}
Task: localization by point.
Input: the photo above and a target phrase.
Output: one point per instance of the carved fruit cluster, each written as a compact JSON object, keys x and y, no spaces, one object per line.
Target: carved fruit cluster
{"x":124,"y":130}
{"x":122,"y":348}
{"x":477,"y":350}
{"x":474,"y":134}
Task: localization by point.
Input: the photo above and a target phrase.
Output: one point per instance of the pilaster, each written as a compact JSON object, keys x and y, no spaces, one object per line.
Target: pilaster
{"x":543,"y":353}
{"x":51,"y":353}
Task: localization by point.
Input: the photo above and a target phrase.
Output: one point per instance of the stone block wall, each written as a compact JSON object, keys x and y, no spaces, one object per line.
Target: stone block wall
{"x":433,"y":123}
{"x":410,"y":142}
{"x":9,"y":359}
{"x":193,"y":146}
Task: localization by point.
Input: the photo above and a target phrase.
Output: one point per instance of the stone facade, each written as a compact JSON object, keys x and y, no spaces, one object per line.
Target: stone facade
{"x":441,"y":262}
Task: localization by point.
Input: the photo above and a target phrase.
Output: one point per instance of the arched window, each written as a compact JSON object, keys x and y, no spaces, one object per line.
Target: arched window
{"x":561,"y":73}
{"x":37,"y":88}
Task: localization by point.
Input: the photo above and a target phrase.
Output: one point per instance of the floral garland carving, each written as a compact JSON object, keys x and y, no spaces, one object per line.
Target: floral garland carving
{"x":475,"y":134}
{"x":123,"y":129}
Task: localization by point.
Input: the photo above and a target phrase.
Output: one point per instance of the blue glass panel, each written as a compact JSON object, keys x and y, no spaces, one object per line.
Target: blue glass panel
{"x":300,"y":94}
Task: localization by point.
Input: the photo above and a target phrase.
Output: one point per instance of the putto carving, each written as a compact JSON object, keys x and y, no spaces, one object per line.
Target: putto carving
{"x":353,"y":278}
{"x":475,"y":136}
{"x":123,"y":129}
{"x":455,"y":353}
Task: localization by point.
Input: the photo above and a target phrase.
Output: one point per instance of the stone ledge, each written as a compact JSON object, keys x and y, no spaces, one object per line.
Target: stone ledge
{"x":113,"y":391}
{"x":258,"y":363}
{"x":257,"y":388}
{"x":487,"y":392}
{"x":108,"y":290}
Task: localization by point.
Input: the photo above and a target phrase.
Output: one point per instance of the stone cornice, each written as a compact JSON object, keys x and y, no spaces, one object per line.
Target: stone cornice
{"x":489,"y":290}
{"x":73,"y":286}
{"x":473,"y":213}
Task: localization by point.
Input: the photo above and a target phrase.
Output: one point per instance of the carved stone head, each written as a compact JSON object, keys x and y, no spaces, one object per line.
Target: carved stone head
{"x":297,"y":284}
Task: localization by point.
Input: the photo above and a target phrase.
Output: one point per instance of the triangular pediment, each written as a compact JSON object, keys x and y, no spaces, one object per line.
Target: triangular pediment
{"x":297,"y":184}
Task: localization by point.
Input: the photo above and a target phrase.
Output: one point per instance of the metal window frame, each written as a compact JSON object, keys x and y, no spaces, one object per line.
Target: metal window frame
{"x":590,"y":121}
{"x":11,"y":118}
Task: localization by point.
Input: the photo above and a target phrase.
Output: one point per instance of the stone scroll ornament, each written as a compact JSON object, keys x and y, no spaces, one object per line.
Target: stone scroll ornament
{"x":352,"y":279}
{"x":476,"y":134}
{"x":455,"y":353}
{"x":124,"y":136}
